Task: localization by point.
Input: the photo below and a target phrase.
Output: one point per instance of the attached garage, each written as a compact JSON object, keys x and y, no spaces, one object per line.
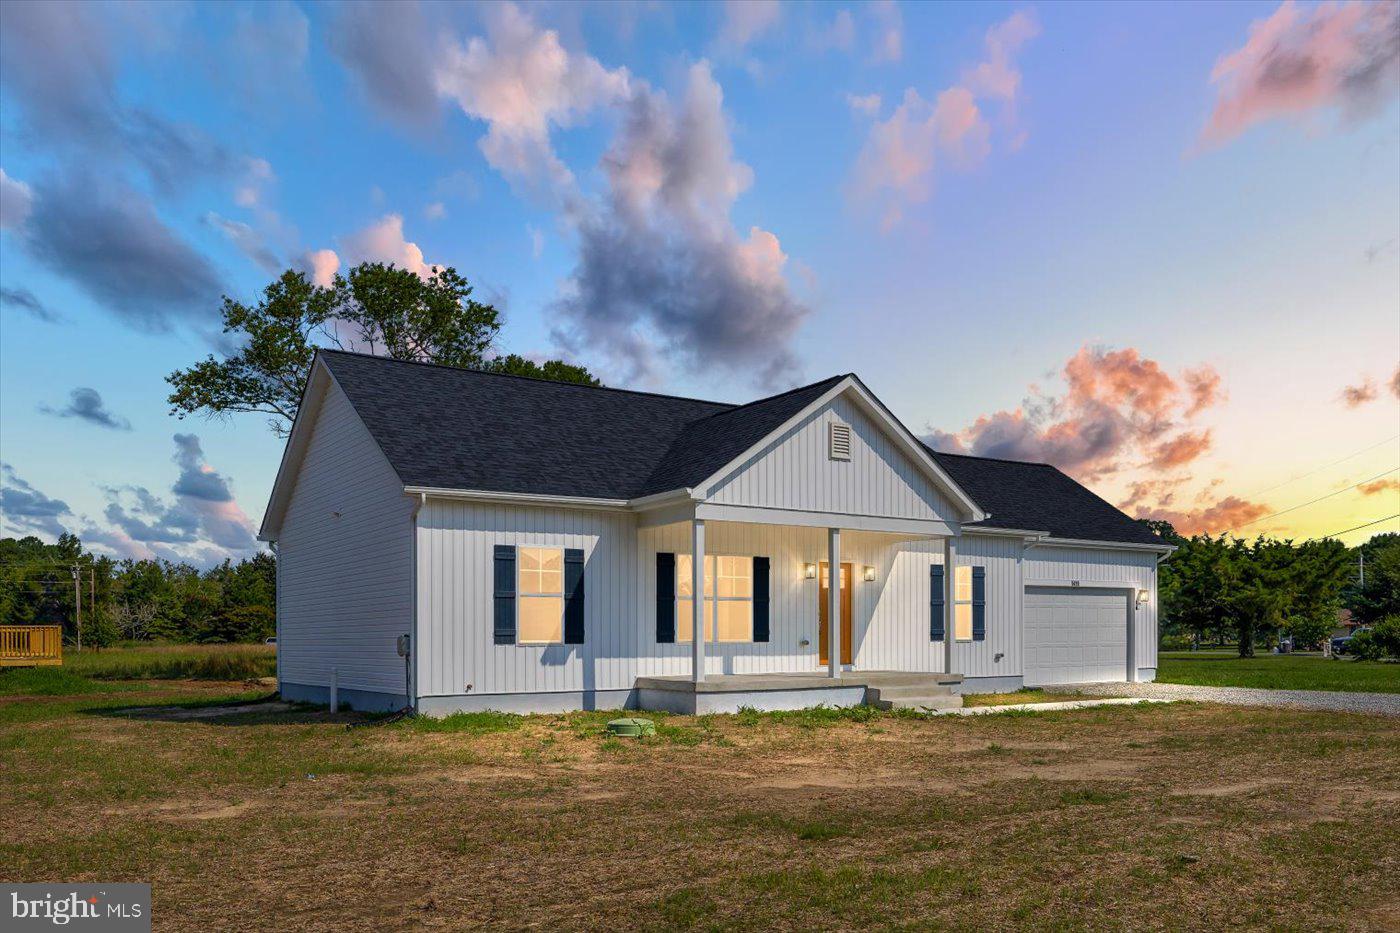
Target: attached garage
{"x":1077,"y":635}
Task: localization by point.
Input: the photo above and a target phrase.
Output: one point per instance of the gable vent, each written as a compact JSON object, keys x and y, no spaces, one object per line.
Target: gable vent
{"x":839,"y":438}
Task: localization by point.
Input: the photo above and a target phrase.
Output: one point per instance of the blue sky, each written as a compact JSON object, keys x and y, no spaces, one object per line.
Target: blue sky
{"x":1102,"y":235}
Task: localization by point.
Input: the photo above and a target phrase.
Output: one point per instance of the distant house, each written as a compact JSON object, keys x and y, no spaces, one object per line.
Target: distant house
{"x":540,"y":543}
{"x":1345,"y":623}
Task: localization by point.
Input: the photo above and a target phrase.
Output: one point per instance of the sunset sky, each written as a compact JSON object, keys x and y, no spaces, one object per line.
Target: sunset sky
{"x":1157,"y":245}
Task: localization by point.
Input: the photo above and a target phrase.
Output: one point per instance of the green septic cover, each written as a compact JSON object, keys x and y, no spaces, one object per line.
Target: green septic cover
{"x":632,"y":726}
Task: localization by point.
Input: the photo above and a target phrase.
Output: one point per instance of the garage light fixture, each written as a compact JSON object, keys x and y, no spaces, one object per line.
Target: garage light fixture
{"x":1141,"y":598}
{"x":809,"y":571}
{"x":868,"y":573}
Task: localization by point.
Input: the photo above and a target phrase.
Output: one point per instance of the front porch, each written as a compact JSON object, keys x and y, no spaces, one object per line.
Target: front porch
{"x":729,"y":693}
{"x":770,"y":609}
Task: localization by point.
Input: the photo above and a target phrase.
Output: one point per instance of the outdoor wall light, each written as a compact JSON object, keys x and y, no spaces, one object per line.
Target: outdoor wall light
{"x":809,"y":571}
{"x":1142,"y":598}
{"x":869,"y":573}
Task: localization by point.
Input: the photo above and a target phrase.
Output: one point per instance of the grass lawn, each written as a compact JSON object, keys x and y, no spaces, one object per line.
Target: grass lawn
{"x":89,"y":671}
{"x":1181,"y":815}
{"x":1024,"y":695}
{"x":1277,"y":672}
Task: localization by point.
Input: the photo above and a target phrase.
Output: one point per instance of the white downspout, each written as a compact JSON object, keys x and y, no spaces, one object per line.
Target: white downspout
{"x":414,"y":641}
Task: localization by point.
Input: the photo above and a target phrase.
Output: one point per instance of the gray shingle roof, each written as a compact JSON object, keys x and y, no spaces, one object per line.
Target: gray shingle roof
{"x":1038,"y":497}
{"x":450,"y":428}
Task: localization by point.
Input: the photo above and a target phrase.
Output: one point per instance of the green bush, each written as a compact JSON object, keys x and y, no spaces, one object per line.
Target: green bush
{"x":1380,"y":641}
{"x":1309,"y":631}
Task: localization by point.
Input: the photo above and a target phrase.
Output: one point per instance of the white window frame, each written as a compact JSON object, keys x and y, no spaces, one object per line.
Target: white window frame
{"x":958,"y":571}
{"x":521,"y":595}
{"x":712,"y":628}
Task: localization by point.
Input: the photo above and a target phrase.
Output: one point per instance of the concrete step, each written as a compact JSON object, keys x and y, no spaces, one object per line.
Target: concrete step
{"x":906,"y":678}
{"x":894,"y":691}
{"x":933,"y":701}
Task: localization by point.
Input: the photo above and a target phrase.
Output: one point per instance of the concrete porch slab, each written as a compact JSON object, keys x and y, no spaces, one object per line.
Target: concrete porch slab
{"x":729,"y":693}
{"x":724,"y":683}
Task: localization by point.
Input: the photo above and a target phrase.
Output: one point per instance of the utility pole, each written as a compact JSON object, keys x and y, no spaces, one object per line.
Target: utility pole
{"x":92,"y":592}
{"x":78,"y":605}
{"x":1362,"y":556}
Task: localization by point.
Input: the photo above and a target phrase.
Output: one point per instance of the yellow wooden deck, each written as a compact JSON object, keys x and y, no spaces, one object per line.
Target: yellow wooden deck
{"x":30,"y":645}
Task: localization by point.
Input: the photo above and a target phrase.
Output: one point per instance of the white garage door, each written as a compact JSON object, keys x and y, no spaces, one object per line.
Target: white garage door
{"x":1075,"y":635}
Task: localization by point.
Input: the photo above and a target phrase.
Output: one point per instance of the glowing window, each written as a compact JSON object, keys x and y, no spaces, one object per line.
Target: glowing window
{"x":541,"y":596}
{"x":962,"y":603}
{"x":728,"y":608}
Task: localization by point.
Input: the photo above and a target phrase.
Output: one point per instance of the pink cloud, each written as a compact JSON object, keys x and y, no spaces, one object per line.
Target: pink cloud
{"x":1226,"y":514}
{"x":1118,"y":409}
{"x":523,"y":83}
{"x":322,"y":264}
{"x":1297,"y":61}
{"x":1180,"y":450}
{"x":746,"y":20}
{"x":1203,"y":383}
{"x":383,"y":241}
{"x":896,"y":166}
{"x":1359,"y":394}
{"x":1379,"y":486}
{"x":889,"y":31}
{"x":997,"y":76}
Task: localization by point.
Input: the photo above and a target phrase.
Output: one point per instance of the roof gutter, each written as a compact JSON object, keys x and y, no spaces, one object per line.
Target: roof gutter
{"x":1006,"y":532}
{"x":516,"y":498}
{"x":1162,"y":549}
{"x":659,"y":499}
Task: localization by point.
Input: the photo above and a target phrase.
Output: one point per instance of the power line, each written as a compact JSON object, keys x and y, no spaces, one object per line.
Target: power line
{"x":1323,"y":467}
{"x":1311,"y":501}
{"x":1359,"y":527}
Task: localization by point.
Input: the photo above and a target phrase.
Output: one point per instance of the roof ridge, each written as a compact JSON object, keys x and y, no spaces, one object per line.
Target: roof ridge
{"x":766,"y":398}
{"x":554,"y":382}
{"x":947,"y":453}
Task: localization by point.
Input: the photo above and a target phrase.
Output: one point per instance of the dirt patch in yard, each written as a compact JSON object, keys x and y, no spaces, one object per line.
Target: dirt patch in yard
{"x":1226,"y":790}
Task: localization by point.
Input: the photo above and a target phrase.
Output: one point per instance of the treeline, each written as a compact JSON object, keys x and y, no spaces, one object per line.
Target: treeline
{"x":1217,"y":588}
{"x":134,"y":600}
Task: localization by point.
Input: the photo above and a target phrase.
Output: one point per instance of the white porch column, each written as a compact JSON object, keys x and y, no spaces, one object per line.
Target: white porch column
{"x":697,"y":601}
{"x":833,"y":602}
{"x":950,"y":590}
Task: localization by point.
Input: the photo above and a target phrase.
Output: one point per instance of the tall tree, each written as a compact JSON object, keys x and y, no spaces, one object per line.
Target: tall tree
{"x":1379,"y":597}
{"x":374,"y":307}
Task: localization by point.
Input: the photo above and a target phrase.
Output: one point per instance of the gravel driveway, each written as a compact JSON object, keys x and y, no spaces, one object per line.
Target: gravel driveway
{"x":1385,"y":704}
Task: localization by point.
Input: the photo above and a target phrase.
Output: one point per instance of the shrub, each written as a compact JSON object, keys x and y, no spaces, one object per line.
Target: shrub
{"x":1311,"y":631}
{"x":1380,"y":641}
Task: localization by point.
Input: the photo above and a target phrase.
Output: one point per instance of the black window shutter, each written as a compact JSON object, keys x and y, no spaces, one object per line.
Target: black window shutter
{"x":504,"y":629}
{"x":760,"y":599}
{"x":979,"y":603}
{"x":665,"y":598}
{"x":573,"y":596}
{"x":935,"y":602}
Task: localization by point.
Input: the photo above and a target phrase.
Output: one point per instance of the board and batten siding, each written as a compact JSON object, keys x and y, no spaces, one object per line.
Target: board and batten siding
{"x":458,"y":655}
{"x":344,"y":560}
{"x":795,"y":472}
{"x":1002,"y":556}
{"x":1050,"y":566}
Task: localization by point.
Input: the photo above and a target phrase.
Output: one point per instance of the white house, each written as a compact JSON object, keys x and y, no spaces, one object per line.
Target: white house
{"x":539,"y":543}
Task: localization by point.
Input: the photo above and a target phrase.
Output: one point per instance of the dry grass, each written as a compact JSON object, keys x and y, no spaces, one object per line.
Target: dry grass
{"x":1027,"y":695}
{"x":1179,"y":816}
{"x":90,"y":671}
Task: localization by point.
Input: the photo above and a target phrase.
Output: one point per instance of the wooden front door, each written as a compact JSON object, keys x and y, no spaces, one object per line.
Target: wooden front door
{"x":845,"y":613}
